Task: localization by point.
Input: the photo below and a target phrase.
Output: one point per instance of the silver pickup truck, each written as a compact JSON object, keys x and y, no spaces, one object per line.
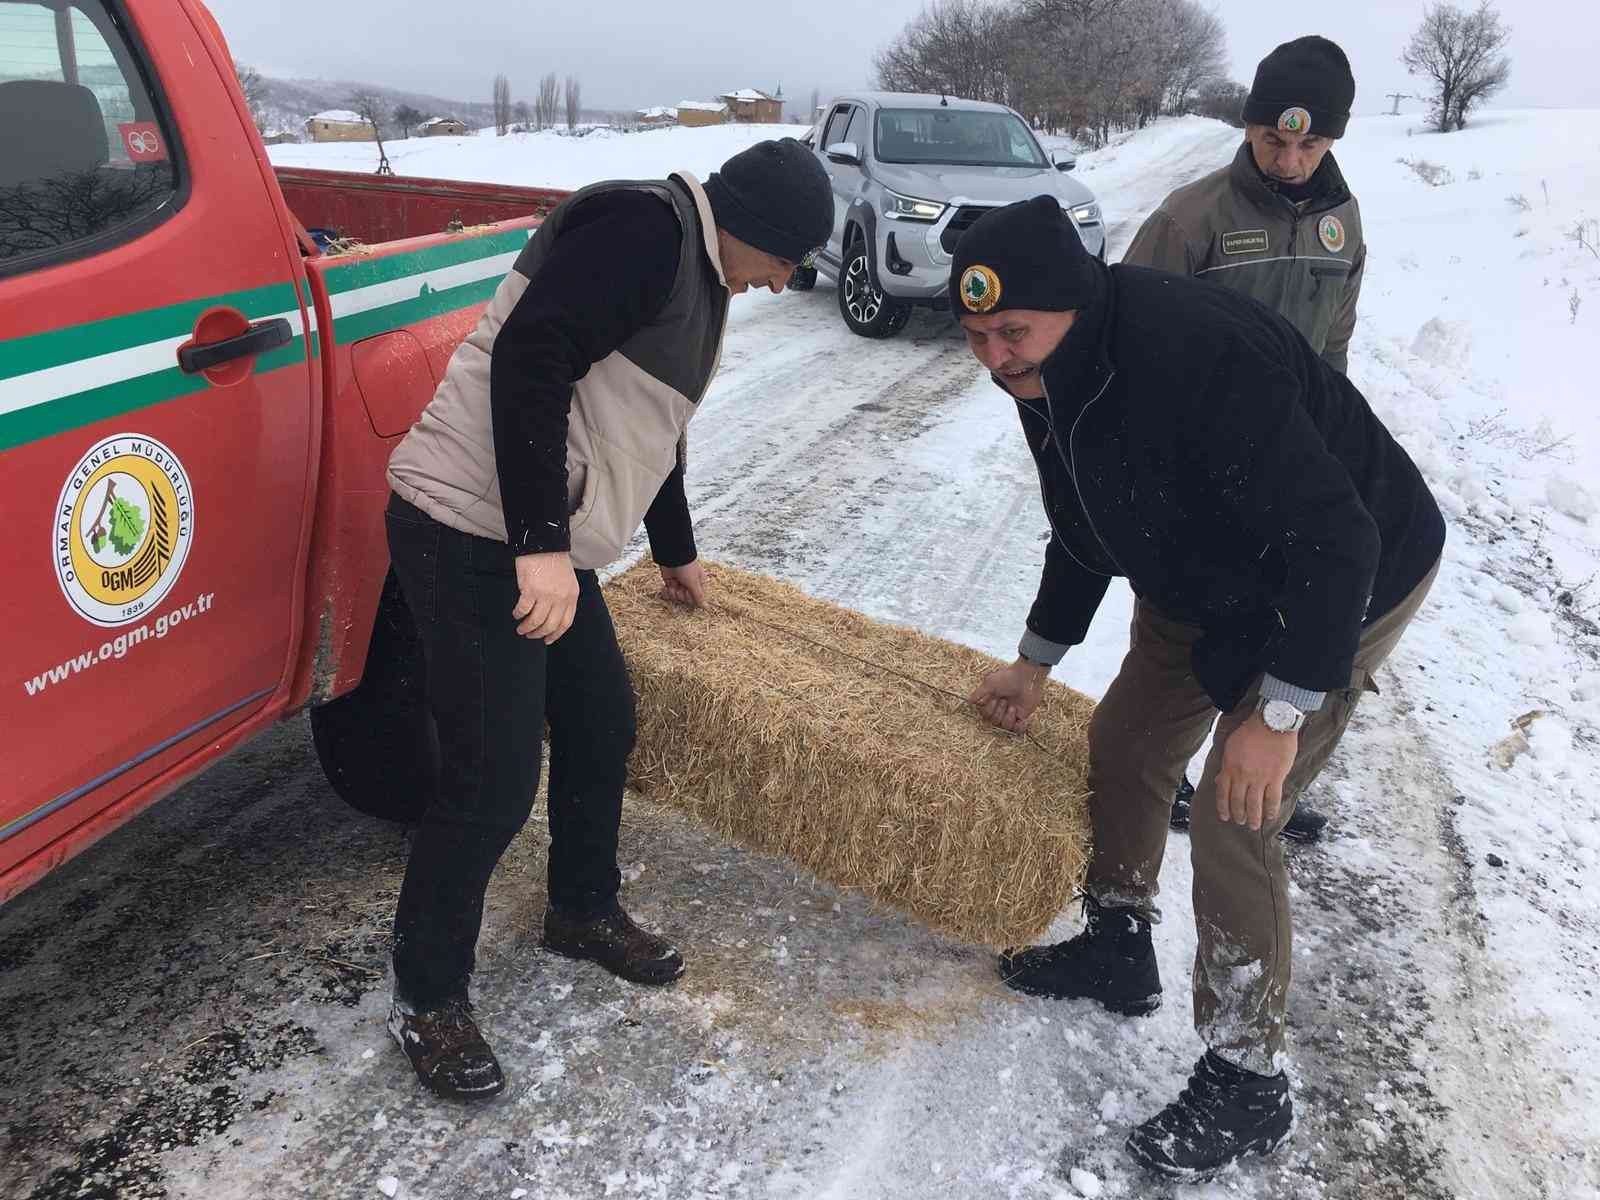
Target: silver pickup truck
{"x":910,"y":174}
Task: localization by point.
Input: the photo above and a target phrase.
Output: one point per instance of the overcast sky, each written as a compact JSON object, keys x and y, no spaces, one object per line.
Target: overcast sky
{"x":632,"y":53}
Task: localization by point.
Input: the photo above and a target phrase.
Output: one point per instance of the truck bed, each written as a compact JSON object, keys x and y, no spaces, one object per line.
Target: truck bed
{"x":388,"y":208}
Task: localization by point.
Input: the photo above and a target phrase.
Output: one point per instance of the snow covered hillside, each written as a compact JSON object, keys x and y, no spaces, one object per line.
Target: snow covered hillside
{"x":1444,"y":1021}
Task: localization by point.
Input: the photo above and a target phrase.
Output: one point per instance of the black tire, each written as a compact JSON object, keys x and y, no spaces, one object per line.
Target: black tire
{"x":803,"y":279}
{"x":377,"y":744}
{"x":864,"y":307}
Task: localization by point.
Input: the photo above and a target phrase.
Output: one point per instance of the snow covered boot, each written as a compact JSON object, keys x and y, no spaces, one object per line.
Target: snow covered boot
{"x":1181,"y":804}
{"x":1112,"y":961}
{"x":1225,"y":1114}
{"x":446,"y":1049}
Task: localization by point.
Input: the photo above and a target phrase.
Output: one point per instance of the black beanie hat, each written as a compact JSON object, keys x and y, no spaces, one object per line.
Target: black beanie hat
{"x":1025,"y":255}
{"x":1304,"y":86}
{"x":774,"y":196}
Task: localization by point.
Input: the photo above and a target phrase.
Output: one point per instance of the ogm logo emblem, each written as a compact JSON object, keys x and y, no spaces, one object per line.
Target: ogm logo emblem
{"x":1294,"y":120}
{"x":980,"y":288}
{"x":1331,"y":232}
{"x":122,"y":529}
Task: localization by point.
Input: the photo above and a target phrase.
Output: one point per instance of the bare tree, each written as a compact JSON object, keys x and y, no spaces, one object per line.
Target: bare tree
{"x":255,"y":95}
{"x":548,"y":102}
{"x":573,"y":97}
{"x":1462,"y":54}
{"x":816,"y":103}
{"x":408,"y":118}
{"x":1222,"y":100}
{"x":1087,"y":67}
{"x":1198,"y":54}
{"x":369,"y":106}
{"x":953,"y":47}
{"x":524,"y":114}
{"x":502,"y":105}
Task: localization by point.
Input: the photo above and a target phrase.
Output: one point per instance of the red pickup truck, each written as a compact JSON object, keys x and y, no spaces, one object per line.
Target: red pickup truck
{"x":197,"y":403}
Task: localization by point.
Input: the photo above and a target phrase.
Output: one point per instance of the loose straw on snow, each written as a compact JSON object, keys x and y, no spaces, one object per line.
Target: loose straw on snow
{"x":803,"y":729}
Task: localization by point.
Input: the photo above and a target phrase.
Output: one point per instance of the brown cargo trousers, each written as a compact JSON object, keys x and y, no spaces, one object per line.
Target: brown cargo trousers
{"x":1152,"y":721}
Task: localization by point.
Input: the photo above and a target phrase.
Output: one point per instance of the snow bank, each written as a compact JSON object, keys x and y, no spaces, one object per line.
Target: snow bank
{"x":546,"y":159}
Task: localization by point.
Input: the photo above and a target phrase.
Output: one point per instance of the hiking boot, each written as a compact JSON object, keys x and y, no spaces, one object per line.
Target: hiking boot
{"x":1181,"y":804}
{"x":611,"y":939}
{"x":1305,"y":824}
{"x":1225,"y":1114}
{"x":446,"y":1050}
{"x":1112,"y":961}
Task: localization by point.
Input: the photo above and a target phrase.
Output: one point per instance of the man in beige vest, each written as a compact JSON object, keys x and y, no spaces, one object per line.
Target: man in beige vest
{"x":559,"y":426}
{"x":1279,"y":224}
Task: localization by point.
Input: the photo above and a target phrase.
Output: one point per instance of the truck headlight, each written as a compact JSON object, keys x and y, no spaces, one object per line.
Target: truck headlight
{"x":1086,"y":214}
{"x":909,"y":208}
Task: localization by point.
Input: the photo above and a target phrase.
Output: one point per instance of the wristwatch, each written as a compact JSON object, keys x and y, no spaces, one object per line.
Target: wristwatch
{"x":1280,"y":716}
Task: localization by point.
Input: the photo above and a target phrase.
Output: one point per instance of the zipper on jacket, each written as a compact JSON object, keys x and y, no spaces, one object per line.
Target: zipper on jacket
{"x":1072,"y":467}
{"x":1069,"y":461}
{"x":1050,"y":435}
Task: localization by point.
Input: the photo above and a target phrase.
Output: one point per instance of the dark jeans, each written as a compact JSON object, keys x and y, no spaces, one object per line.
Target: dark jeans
{"x":490,"y":692}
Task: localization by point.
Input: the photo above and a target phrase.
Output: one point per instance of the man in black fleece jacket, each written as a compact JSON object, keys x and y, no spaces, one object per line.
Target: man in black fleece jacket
{"x":1278,"y":540}
{"x":560,"y":424}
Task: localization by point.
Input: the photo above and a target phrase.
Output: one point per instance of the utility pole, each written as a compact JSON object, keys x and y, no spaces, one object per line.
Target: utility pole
{"x":1396,"y":97}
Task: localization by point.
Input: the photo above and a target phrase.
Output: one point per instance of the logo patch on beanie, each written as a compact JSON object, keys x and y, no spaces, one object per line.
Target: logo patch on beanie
{"x":1295,"y":121}
{"x":980,"y":288}
{"x":1331,"y":232}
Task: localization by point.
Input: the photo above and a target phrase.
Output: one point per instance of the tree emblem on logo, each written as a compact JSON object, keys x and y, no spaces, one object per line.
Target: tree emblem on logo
{"x":118,"y":522}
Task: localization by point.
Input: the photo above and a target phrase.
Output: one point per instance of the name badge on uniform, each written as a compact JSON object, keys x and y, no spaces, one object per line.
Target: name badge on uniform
{"x":1245,"y":241}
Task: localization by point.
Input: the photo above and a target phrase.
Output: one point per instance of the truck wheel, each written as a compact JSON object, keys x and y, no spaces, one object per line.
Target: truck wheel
{"x":865,"y":309}
{"x":377,"y":744}
{"x":803,"y":279}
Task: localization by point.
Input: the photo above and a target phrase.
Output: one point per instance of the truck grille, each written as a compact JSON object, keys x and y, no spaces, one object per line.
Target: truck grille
{"x":965,"y":216}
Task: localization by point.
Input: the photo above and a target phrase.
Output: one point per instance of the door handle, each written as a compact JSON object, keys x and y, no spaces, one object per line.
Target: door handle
{"x":257,"y":339}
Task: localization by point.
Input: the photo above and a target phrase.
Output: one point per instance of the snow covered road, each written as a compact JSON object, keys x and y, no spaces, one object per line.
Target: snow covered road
{"x":194,"y":1008}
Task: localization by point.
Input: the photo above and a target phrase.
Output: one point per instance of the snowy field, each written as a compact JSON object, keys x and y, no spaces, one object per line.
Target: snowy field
{"x":542,"y":159}
{"x":206,"y":1020}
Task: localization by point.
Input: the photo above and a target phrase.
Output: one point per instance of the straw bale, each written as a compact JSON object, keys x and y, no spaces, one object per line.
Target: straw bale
{"x":803,"y":729}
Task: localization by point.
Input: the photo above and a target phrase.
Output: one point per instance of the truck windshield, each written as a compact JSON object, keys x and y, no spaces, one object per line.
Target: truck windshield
{"x":955,"y":137}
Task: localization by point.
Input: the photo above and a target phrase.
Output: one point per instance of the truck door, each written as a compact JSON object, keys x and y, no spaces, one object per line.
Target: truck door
{"x":155,"y":417}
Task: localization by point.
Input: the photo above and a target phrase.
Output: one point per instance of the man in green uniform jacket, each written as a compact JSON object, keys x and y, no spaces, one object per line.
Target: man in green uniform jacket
{"x":1279,"y":224}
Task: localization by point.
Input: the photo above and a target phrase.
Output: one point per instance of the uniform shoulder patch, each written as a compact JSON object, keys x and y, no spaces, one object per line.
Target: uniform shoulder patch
{"x":1330,"y":231}
{"x":1245,"y":241}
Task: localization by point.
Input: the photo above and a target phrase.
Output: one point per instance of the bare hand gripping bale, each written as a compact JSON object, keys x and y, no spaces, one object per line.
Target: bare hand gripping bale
{"x":800,"y":728}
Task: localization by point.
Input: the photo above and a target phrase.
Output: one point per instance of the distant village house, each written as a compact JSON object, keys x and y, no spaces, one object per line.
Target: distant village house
{"x":702,"y":112}
{"x":339,"y":125}
{"x":442,"y":127}
{"x":748,"y":106}
{"x":657,"y":117}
